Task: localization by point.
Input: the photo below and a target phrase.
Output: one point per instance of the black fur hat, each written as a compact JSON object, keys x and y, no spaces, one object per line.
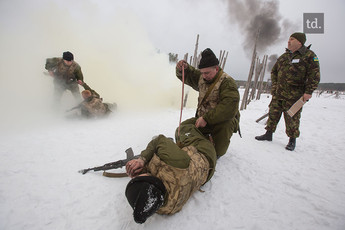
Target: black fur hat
{"x":208,"y":59}
{"x":146,"y":195}
{"x":68,"y":56}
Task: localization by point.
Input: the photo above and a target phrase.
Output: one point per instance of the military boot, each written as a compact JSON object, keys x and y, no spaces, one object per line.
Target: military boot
{"x":292,"y":144}
{"x":266,"y":137}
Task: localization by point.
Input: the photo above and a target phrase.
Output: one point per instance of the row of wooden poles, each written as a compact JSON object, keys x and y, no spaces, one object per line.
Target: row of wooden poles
{"x":257,"y":69}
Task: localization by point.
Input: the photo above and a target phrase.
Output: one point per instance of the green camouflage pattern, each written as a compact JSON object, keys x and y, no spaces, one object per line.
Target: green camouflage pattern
{"x":295,"y":74}
{"x":179,"y":183}
{"x":62,"y":72}
{"x":192,"y":136}
{"x":93,"y":107}
{"x":220,"y":110}
{"x":173,"y":155}
{"x":276,"y":108}
{"x":209,"y":103}
{"x":182,"y":171}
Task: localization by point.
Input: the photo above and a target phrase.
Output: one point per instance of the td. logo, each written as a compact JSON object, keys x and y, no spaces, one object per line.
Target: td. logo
{"x":313,"y":23}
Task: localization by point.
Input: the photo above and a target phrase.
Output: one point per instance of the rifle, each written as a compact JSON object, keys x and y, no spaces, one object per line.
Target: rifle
{"x":113,"y":165}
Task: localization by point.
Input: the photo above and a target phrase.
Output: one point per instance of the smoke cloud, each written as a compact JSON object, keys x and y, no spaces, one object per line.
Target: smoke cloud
{"x":263,"y":16}
{"x":271,"y":61}
{"x":116,"y":56}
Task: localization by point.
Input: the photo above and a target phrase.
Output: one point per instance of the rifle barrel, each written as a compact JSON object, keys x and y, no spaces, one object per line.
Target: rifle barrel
{"x":111,"y":165}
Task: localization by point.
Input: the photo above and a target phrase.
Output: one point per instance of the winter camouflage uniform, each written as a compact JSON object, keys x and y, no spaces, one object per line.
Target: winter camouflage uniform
{"x":293,"y":75}
{"x":93,"y":107}
{"x":182,"y":171}
{"x":219,"y":109}
{"x":65,"y":77}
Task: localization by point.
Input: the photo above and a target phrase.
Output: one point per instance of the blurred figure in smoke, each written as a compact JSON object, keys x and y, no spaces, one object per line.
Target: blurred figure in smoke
{"x":93,"y":106}
{"x":217,"y":114}
{"x":66,"y":72}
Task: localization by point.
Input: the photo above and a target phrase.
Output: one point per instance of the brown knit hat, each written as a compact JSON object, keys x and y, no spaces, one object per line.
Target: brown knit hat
{"x":300,"y":37}
{"x":86,"y":94}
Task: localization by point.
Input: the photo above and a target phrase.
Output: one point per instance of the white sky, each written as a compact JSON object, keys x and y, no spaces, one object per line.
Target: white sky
{"x":169,"y":26}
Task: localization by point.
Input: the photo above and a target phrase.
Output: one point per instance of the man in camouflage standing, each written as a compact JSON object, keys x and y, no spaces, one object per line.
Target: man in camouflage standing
{"x":66,"y":72}
{"x":217,"y":114}
{"x":295,"y":74}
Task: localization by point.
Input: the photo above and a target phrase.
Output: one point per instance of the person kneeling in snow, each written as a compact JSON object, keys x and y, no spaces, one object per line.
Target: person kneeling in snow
{"x":165,"y":175}
{"x":92,"y":106}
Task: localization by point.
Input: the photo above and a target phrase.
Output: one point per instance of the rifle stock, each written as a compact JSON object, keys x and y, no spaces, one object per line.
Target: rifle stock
{"x":113,"y":165}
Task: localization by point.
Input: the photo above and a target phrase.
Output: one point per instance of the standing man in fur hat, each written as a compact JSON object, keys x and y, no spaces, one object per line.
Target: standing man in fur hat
{"x":295,"y":74}
{"x":66,"y":72}
{"x":217,"y":115}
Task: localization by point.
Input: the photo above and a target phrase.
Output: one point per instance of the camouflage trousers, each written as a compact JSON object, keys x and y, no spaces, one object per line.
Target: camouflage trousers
{"x":180,"y":183}
{"x":276,"y":108}
{"x":60,"y":88}
{"x":220,"y":133}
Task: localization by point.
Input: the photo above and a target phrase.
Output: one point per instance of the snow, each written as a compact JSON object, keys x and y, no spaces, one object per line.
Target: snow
{"x":256,"y":186}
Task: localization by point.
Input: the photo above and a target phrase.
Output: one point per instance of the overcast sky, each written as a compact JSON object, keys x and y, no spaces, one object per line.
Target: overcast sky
{"x":168,"y":26}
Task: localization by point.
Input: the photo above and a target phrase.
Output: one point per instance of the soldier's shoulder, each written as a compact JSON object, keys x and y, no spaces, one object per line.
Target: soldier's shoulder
{"x":284,"y":55}
{"x":311,"y":55}
{"x":76,"y":65}
{"x":228,"y":78}
{"x":229,"y":82}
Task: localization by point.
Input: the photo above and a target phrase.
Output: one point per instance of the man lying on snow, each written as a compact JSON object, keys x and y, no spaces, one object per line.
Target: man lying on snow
{"x":92,"y":106}
{"x":165,"y":175}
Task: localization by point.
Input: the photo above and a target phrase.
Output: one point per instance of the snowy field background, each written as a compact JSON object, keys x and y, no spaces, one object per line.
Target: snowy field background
{"x":256,"y":186}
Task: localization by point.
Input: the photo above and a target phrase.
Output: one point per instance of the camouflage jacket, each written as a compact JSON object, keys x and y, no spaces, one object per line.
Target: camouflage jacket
{"x":62,"y":72}
{"x":295,"y":74}
{"x":182,"y":171}
{"x":94,"y":107}
{"x":222,"y":103}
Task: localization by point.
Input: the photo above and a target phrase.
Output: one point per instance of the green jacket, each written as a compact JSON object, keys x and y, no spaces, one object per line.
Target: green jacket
{"x":173,"y":155}
{"x":227,"y":107}
{"x":295,"y":74}
{"x":63,"y":72}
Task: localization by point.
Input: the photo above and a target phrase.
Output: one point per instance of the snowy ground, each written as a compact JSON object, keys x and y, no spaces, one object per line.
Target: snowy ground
{"x":257,"y":185}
